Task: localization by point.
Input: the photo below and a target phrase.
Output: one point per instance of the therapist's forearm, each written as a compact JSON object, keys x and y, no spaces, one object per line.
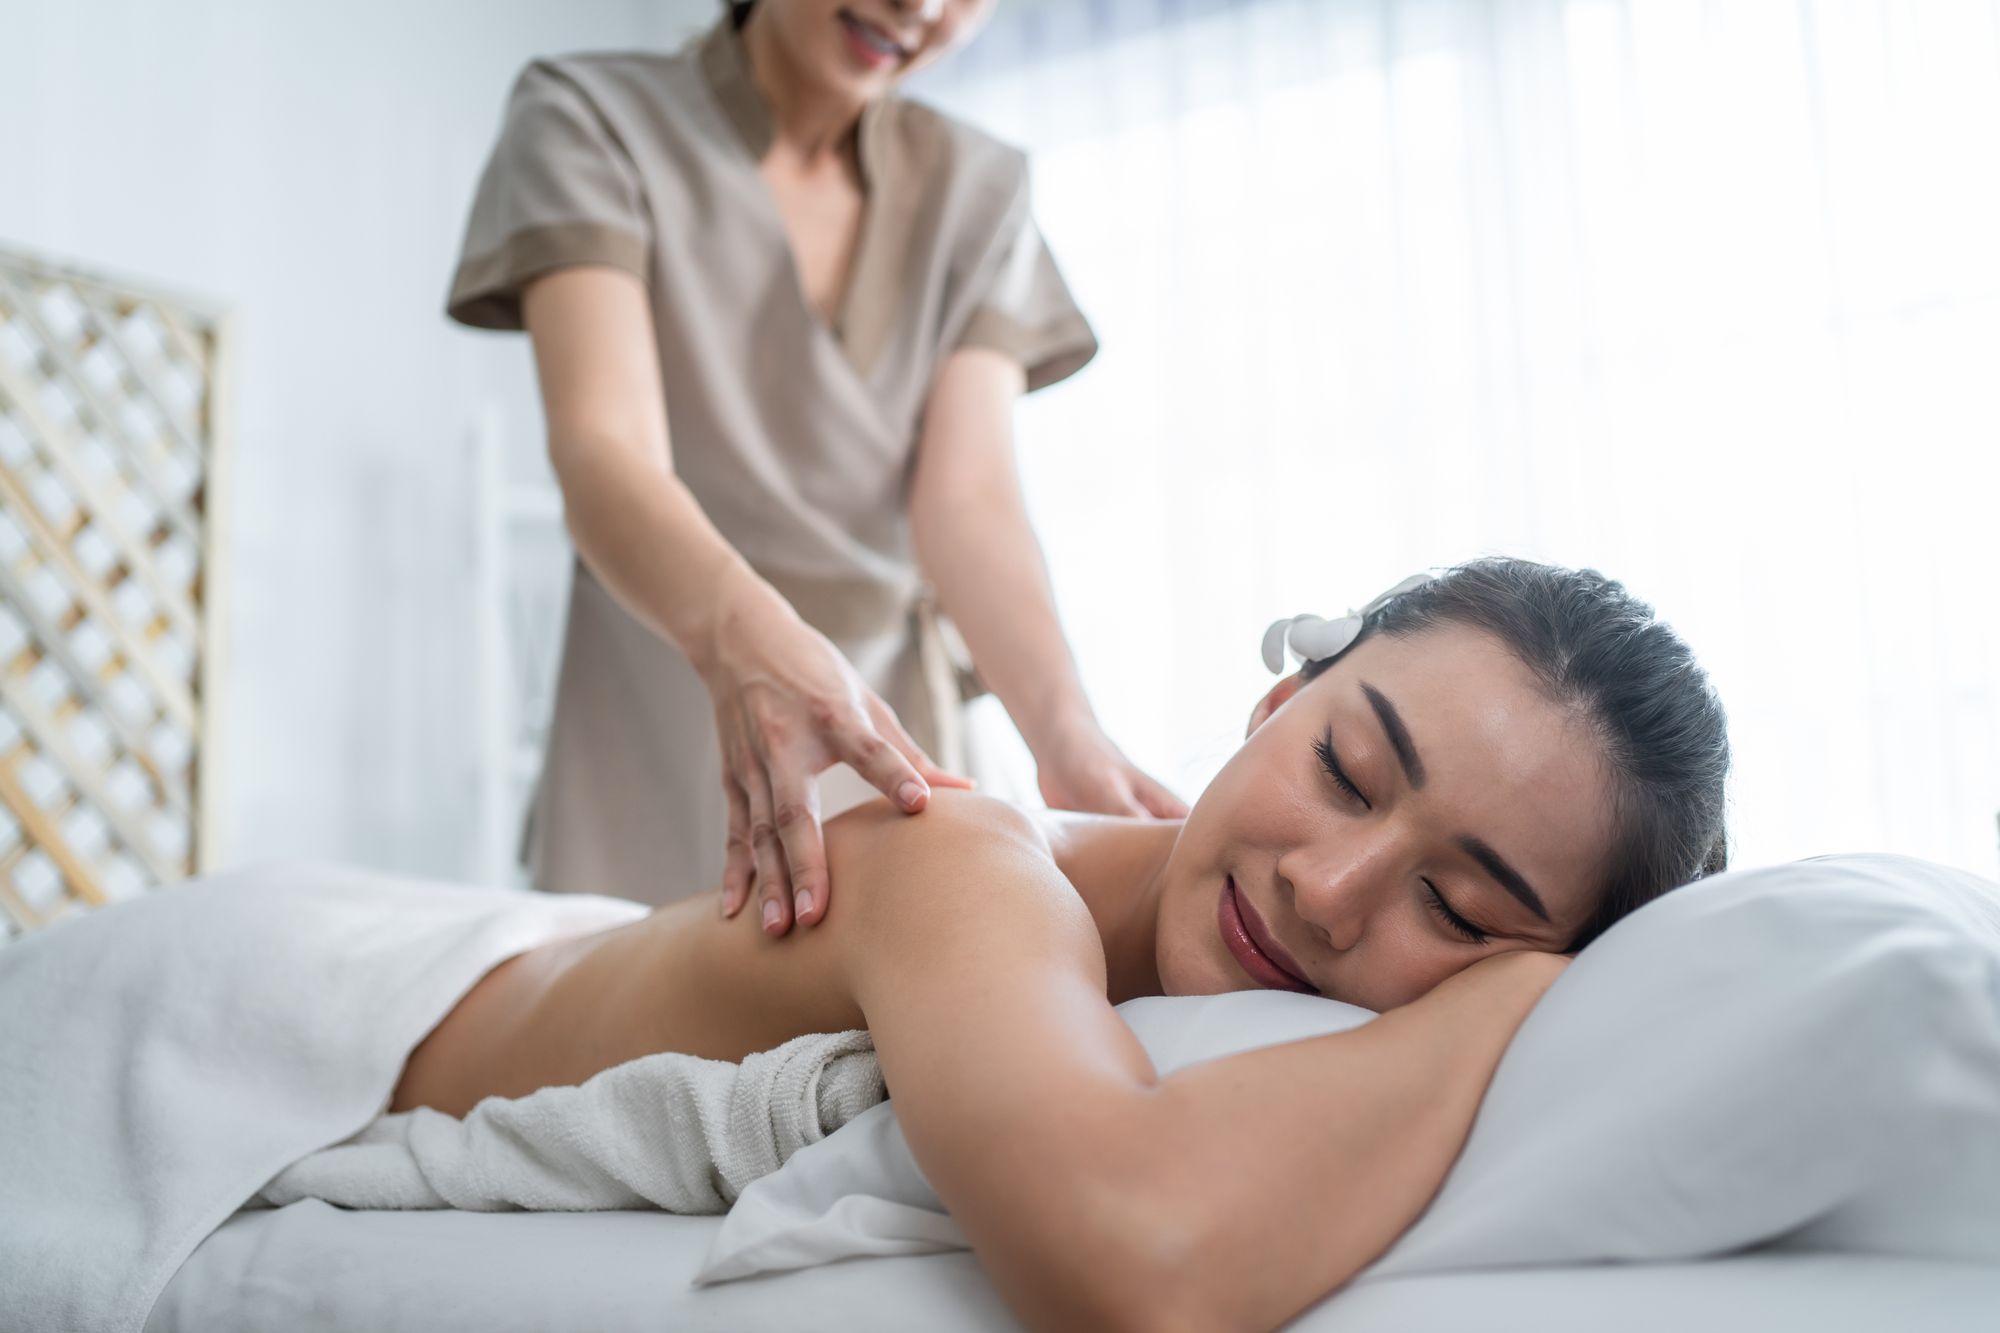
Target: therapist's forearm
{"x":981,"y":555}
{"x":644,"y":535}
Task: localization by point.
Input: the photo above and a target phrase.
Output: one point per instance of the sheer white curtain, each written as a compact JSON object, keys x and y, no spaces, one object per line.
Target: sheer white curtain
{"x":1704,"y":295}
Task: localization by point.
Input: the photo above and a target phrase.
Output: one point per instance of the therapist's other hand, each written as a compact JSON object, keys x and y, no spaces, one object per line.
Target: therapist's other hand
{"x":789,"y":705}
{"x":1080,"y":769}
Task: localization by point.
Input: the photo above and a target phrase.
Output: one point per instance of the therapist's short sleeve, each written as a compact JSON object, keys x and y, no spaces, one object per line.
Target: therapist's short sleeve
{"x":560,"y":189}
{"x":1025,"y":309}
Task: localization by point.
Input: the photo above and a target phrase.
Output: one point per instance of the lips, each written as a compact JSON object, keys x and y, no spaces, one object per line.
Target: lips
{"x":869,"y":41}
{"x":1252,"y":945}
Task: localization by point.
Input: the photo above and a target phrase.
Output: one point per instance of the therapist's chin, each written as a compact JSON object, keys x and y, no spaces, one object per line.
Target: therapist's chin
{"x":859,"y":89}
{"x":866,"y":85}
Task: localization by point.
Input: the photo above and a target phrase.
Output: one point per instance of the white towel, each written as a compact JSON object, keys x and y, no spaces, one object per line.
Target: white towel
{"x":163,"y":1060}
{"x":670,"y":1131}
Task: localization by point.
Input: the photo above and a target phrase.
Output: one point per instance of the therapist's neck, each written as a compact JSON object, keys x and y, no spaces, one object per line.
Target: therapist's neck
{"x":808,"y":118}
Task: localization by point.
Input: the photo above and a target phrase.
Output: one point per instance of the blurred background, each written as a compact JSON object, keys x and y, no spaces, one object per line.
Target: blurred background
{"x":1704,"y":294}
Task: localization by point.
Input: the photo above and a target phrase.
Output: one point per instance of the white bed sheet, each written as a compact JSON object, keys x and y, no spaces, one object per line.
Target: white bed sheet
{"x":311,"y":1268}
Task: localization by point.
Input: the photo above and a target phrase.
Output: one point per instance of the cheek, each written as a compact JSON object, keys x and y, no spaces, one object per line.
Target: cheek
{"x":1177,"y":949}
{"x":1400,"y":960}
{"x":1258,"y":800}
{"x":1189,"y":950}
{"x":1411,"y":970}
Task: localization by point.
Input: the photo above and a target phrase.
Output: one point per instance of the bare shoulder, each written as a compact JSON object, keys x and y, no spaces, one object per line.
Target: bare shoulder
{"x":900,"y":881}
{"x":964,"y":893}
{"x":952,"y":821}
{"x":962,"y":845}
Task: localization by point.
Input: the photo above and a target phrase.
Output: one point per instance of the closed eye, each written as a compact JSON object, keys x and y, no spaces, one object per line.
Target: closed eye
{"x":1465,"y":929}
{"x":1323,"y":747}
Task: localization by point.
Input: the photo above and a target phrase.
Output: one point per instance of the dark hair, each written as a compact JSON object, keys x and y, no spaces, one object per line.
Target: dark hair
{"x":739,"y":12}
{"x":1596,"y":648}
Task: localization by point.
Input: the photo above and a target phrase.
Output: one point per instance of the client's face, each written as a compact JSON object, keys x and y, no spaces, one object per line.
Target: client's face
{"x":1474,"y":818}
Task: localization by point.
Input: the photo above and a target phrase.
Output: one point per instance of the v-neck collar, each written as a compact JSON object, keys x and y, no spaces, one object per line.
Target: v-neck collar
{"x":867,"y":312}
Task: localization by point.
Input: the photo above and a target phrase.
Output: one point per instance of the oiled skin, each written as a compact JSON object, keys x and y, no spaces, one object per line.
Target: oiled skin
{"x":680,"y":979}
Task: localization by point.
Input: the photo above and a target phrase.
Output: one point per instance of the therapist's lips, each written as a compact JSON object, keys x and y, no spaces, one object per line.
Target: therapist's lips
{"x":870,"y":44}
{"x":1251,"y":945}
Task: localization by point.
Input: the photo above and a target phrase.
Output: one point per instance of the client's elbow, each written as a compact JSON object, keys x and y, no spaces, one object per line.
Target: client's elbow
{"x":1174,"y":1286}
{"x":1137,"y":1265}
{"x":1166,"y":1253}
{"x":1113,"y":1286}
{"x":1150,"y":1281}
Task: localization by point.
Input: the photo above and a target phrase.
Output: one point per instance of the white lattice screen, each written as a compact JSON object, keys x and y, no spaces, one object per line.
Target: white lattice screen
{"x":111,"y":482}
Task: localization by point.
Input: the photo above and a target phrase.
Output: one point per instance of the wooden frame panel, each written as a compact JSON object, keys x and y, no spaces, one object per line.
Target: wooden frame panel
{"x":113,"y":483}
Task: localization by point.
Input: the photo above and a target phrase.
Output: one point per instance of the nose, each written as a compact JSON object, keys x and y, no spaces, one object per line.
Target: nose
{"x":1337,"y":889}
{"x":927,"y":11}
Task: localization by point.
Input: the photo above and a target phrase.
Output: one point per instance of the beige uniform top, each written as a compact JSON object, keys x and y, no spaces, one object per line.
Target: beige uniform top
{"x":797,"y":438}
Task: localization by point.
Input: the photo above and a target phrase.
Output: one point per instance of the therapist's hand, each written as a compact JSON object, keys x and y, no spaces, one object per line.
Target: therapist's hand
{"x":1078,"y":768}
{"x":789,"y":705}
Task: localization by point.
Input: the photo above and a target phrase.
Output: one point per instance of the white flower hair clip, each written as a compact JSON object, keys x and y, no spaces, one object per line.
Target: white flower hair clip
{"x":1314,"y":638}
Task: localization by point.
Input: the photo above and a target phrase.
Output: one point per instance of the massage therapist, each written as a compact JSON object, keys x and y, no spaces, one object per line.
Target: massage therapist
{"x":780,"y":318}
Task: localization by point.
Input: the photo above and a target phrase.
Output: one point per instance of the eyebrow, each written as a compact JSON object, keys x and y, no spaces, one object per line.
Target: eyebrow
{"x":1398,"y":734}
{"x":1510,"y":878}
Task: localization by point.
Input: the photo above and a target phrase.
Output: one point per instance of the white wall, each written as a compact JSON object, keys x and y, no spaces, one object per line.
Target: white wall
{"x":310,"y":165}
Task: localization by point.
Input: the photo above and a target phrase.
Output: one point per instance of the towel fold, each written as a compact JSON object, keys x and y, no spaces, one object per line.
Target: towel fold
{"x":668,"y":1131}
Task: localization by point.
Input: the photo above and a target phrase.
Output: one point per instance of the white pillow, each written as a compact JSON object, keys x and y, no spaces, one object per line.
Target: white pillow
{"x":1807,"y":1054}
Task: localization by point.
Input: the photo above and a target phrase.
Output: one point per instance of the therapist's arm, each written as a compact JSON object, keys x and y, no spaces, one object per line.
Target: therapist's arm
{"x":978,"y":549}
{"x":787,"y":703}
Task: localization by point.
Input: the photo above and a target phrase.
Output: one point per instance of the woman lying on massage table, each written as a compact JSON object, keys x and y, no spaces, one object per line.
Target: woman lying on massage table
{"x":1508,"y":759}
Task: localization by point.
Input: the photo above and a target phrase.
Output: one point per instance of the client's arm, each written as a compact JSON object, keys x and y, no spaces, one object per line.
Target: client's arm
{"x":1230,"y":1195}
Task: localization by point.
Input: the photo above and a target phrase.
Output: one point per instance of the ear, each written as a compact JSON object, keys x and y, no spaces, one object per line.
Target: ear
{"x":1273,"y":701}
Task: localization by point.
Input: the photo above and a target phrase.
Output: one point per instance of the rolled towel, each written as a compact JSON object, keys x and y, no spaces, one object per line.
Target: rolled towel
{"x":668,"y":1131}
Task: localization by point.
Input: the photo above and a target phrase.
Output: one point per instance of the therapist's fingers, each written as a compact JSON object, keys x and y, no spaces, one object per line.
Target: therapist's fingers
{"x":1097,"y":787}
{"x":740,"y":863}
{"x":774,"y":897}
{"x":881,"y":764}
{"x":1158,"y":801}
{"x":1116,"y":798}
{"x":890,"y":728}
{"x":795,"y":810}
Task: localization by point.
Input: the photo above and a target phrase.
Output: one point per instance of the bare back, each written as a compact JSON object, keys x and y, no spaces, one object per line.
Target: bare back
{"x":680,"y":979}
